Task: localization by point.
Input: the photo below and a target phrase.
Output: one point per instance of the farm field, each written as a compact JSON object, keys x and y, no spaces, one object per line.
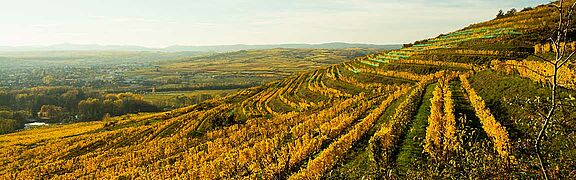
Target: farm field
{"x":173,"y":99}
{"x":241,"y":69}
{"x":463,"y":105}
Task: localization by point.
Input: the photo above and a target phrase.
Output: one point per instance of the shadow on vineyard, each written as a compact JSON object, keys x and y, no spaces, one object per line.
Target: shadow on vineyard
{"x":470,"y":104}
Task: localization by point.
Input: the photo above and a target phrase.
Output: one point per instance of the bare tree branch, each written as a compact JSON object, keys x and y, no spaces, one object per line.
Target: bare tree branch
{"x":563,"y":62}
{"x":560,"y":50}
{"x":554,"y":6}
{"x":544,"y":59}
{"x":542,"y":115}
{"x":554,"y":43}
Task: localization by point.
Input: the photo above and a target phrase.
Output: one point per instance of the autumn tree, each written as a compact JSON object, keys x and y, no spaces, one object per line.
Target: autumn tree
{"x":90,"y":109}
{"x":114,"y":105}
{"x":561,"y":57}
{"x":500,"y":14}
{"x":51,"y":112}
{"x":48,"y":79}
{"x":8,"y":125}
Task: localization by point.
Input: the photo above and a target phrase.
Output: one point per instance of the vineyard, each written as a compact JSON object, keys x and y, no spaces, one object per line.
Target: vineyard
{"x":441,"y":108}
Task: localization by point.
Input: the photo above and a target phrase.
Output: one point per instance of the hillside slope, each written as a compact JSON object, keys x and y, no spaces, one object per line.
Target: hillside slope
{"x":440,"y":108}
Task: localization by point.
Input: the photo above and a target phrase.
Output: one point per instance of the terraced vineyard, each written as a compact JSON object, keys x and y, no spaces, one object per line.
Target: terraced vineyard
{"x":440,"y":108}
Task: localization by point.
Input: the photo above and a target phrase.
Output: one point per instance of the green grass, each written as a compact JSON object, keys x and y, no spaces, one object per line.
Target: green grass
{"x":506,"y":97}
{"x":466,"y":119}
{"x":412,"y":147}
{"x":357,"y":164}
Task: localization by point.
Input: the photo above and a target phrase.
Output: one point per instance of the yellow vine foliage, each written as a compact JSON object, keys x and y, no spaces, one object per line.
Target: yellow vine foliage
{"x":441,"y":130}
{"x":336,"y":151}
{"x":548,"y":47}
{"x":537,"y":71}
{"x":437,"y":63}
{"x":315,"y":84}
{"x":384,"y":141}
{"x":493,"y":128}
{"x":434,"y":131}
{"x":398,"y":74}
{"x":450,"y":140}
{"x":43,"y":134}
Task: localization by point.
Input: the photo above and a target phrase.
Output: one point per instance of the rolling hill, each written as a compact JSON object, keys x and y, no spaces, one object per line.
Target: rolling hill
{"x":242,"y":68}
{"x":450,"y":107}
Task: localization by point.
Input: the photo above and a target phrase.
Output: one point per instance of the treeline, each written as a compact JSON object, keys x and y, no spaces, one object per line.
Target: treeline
{"x":510,"y":12}
{"x":64,"y":104}
{"x":12,"y":120}
{"x":113,"y":105}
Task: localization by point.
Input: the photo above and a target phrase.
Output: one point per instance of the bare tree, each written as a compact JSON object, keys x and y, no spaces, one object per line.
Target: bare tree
{"x":562,"y":56}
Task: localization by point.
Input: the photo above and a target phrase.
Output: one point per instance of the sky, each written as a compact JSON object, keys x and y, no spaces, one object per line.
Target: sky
{"x":161,"y":23}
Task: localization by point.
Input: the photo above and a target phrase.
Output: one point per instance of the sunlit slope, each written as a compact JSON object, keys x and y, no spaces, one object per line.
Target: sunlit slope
{"x":510,"y":37}
{"x":436,"y":109}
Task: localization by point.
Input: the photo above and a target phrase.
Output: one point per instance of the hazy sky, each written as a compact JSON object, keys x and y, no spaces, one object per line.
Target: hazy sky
{"x":159,"y":23}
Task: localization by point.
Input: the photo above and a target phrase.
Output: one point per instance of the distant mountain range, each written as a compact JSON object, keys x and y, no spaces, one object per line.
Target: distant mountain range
{"x":214,"y":48}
